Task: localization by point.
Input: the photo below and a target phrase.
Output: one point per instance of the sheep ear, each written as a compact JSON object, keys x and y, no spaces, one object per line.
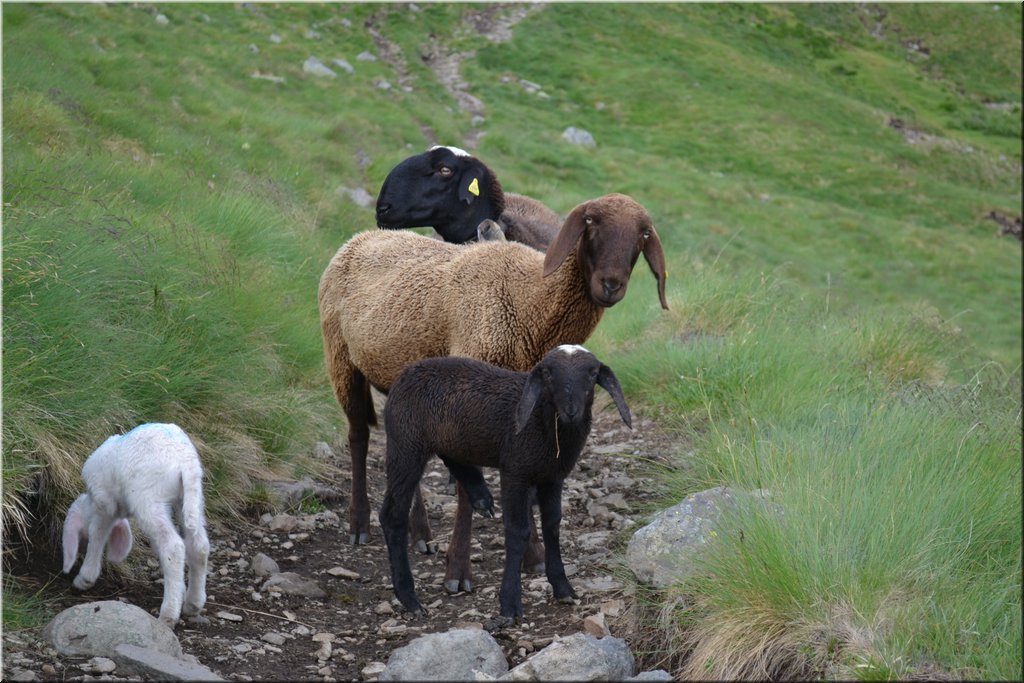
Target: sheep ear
{"x":120,"y":542}
{"x":469,"y":186}
{"x":656,"y":260}
{"x":607,"y":379}
{"x":74,"y":527}
{"x":531,"y":392}
{"x":565,"y":241}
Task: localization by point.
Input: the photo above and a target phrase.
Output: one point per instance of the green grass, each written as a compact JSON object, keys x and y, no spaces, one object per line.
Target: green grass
{"x":845,"y":325}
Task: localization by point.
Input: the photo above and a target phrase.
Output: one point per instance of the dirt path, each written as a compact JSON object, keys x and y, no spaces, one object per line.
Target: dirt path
{"x":281,"y":637}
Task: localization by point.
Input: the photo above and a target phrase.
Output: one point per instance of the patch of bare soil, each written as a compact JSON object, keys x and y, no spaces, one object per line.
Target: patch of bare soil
{"x":281,"y":637}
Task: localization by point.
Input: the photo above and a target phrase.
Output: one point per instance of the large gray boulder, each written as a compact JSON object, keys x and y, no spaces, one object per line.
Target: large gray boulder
{"x":456,"y":655}
{"x":664,"y":552}
{"x":95,"y":628}
{"x":579,"y":657}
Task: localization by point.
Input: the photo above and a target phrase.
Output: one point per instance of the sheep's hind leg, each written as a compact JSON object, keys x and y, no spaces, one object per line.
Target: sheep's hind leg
{"x":420,"y":536}
{"x":197,"y":553}
{"x":155,"y":522}
{"x":533,"y":560}
{"x":457,"y":574}
{"x":472,"y":481}
{"x":359,"y":412}
{"x":394,"y":520}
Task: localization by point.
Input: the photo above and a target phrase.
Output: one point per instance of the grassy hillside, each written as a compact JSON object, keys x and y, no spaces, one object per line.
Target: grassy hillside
{"x":845,"y":327}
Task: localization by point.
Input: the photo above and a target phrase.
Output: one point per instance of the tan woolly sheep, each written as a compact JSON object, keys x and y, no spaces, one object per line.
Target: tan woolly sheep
{"x":390,"y":298}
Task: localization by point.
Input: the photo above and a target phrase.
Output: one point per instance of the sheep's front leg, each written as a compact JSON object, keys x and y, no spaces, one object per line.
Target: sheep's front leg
{"x":197,"y":554}
{"x":549,"y":498}
{"x":515,"y":512}
{"x":100,"y":526}
{"x":473,"y":494}
{"x":156,"y":523}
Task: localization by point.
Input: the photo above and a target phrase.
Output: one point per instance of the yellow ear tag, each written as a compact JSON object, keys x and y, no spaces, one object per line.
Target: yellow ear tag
{"x":474,"y":187}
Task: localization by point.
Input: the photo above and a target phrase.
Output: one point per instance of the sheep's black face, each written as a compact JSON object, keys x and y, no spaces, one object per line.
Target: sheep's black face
{"x":440,"y":188}
{"x":569,"y":374}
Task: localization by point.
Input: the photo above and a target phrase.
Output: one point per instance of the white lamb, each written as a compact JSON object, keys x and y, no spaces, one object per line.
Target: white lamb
{"x":143,"y":475}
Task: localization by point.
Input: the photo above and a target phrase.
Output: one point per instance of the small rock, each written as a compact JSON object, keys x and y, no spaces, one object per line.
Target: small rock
{"x":162,"y":19}
{"x":578,"y":136}
{"x":343,"y":65}
{"x":273,"y":638}
{"x":23,"y":675}
{"x":262,"y":565}
{"x":613,"y":608}
{"x":366,"y":57}
{"x":323,"y":637}
{"x":283,"y":522}
{"x":384,"y":608}
{"x":293,"y":584}
{"x":274,"y":38}
{"x":317,"y":68}
{"x":344,"y":573}
{"x":373,"y":669}
{"x":357,"y":195}
{"x":228,"y":616}
{"x":595,"y":625}
{"x":100,"y":665}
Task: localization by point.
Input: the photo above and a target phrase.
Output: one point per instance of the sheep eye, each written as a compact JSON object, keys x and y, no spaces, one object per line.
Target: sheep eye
{"x":588,"y":220}
{"x":647,"y":234}
{"x":445,"y":171}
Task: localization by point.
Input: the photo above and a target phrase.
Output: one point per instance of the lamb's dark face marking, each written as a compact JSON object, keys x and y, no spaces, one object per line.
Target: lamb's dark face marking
{"x":611,"y":231}
{"x":567,"y":374}
{"x":444,"y":186}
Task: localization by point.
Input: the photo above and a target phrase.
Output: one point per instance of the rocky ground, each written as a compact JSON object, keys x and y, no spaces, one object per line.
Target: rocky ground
{"x":254,"y":631}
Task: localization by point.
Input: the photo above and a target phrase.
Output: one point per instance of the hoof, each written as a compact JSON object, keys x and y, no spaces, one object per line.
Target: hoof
{"x":454,"y":586}
{"x":498,"y":623}
{"x":426,"y":548}
{"x":359,"y":539}
{"x":82,"y":584}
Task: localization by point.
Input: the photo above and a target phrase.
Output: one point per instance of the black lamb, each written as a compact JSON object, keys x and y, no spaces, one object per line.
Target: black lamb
{"x":532,"y":426}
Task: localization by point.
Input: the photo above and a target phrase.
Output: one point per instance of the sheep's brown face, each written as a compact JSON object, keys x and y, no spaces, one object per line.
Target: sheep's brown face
{"x":614,"y":236}
{"x":610,"y":233}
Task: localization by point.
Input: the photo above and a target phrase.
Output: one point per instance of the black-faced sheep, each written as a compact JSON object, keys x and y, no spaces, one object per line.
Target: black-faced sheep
{"x":143,"y":475}
{"x":391,"y":298}
{"x":455,"y":407}
{"x":448,"y":189}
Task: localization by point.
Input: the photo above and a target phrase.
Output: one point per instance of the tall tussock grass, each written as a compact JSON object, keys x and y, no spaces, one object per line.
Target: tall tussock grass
{"x":132,"y":310}
{"x":892,"y":548}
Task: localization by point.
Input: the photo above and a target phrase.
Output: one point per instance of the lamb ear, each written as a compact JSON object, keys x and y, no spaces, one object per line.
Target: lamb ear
{"x":566,"y":239}
{"x":607,"y":379}
{"x":74,"y":528}
{"x":656,"y":260}
{"x":120,"y":542}
{"x":531,"y":392}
